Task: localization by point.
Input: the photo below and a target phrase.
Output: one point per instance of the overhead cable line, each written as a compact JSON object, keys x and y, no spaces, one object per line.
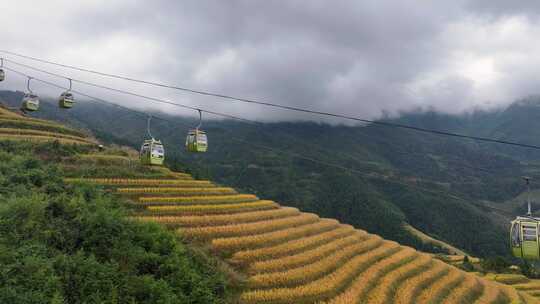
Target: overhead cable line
{"x":159,"y":100}
{"x":280,"y":106}
{"x":162,"y":100}
{"x":139,"y":95}
{"x":100,"y":100}
{"x":167,"y":102}
{"x":292,"y":154}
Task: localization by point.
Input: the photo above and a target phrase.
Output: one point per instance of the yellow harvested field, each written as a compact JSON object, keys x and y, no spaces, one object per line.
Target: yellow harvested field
{"x":319,"y":268}
{"x":410,"y":288}
{"x":216,"y":220}
{"x":507,"y":278}
{"x":227,"y":245}
{"x":26,"y":132}
{"x":140,"y":182}
{"x":528,"y":299}
{"x":517,"y":287}
{"x":527,"y":286}
{"x":173,"y":174}
{"x":31,"y":119}
{"x":385,"y":290}
{"x":430,"y":240}
{"x":212,"y":232}
{"x":30,"y":122}
{"x":101,"y":159}
{"x":39,"y":139}
{"x":176,"y":190}
{"x":467,"y":291}
{"x":104,"y":156}
{"x":292,"y":247}
{"x":208,"y":199}
{"x":212,"y":209}
{"x":6,"y":112}
{"x":511,"y":294}
{"x":370,"y":277}
{"x":292,"y":257}
{"x":438,"y":289}
{"x":306,"y":257}
{"x":459,"y":258}
{"x":325,"y":287}
{"x":491,"y":293}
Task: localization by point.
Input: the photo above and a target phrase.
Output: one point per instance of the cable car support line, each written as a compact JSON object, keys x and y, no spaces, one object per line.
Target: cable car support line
{"x":253,"y":101}
{"x":292,"y":154}
{"x":193,"y":132}
{"x":200,"y":134}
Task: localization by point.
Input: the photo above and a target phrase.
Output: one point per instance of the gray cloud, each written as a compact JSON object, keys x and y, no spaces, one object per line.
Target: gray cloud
{"x":355,"y":57}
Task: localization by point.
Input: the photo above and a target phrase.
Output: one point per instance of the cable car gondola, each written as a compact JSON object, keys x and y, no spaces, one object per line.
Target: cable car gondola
{"x":196,"y":140}
{"x":524,"y":233}
{"x":30,"y":101}
{"x":152,"y":150}
{"x":2,"y":73}
{"x":66,"y":99}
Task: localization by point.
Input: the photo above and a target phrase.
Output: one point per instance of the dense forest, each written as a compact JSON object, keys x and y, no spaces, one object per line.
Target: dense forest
{"x":73,"y":244}
{"x":379,"y":178}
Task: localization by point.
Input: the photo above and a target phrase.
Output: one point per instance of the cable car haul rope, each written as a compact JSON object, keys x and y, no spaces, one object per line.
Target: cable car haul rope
{"x":245,"y":100}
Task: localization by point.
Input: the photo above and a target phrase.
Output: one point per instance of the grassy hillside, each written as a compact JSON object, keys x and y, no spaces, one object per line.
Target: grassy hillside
{"x":392,"y":170}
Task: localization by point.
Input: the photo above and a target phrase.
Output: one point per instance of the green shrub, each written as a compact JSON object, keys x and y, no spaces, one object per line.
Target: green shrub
{"x":73,"y":244}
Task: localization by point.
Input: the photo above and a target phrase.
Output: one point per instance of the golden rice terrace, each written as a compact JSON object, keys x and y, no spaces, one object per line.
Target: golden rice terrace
{"x":19,"y":128}
{"x":289,"y":256}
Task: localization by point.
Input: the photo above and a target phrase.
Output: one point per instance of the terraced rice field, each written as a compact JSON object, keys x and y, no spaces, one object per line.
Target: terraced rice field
{"x":530,"y":287}
{"x":14,"y":127}
{"x":288,"y":256}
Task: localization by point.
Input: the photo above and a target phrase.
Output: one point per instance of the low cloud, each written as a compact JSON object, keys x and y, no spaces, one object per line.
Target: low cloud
{"x":361,"y":58}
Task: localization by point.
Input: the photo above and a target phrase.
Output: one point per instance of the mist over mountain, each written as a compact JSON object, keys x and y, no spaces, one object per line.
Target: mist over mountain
{"x":373,"y":177}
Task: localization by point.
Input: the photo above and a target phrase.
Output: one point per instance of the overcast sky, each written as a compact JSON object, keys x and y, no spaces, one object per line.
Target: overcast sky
{"x":360,"y":58}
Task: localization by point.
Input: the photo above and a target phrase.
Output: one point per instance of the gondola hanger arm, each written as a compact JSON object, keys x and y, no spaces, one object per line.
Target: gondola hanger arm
{"x":200,"y":119}
{"x":148,"y":126}
{"x":28,"y":85}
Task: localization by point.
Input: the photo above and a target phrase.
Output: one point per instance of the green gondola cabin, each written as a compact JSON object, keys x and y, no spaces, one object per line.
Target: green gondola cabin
{"x":30,"y":102}
{"x":196,"y":141}
{"x":66,"y":100}
{"x":524,"y":232}
{"x":152,"y":152}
